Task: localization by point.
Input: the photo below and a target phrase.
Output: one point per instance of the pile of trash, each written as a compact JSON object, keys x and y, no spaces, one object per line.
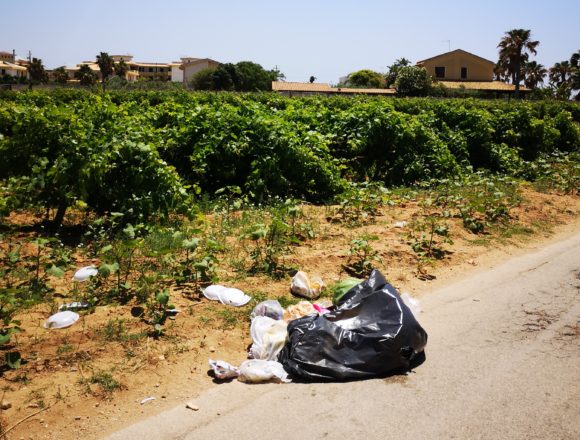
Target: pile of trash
{"x":369,"y":331}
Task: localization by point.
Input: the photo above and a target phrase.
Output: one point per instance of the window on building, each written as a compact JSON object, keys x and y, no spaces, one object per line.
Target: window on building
{"x":464,"y":73}
{"x":3,"y":71}
{"x":150,"y":69}
{"x":439,"y":72}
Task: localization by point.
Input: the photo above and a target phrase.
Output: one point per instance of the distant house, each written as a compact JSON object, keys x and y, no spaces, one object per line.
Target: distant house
{"x":306,"y":89}
{"x":191,"y":66}
{"x":458,"y":65}
{"x":460,"y":69}
{"x":9,"y":66}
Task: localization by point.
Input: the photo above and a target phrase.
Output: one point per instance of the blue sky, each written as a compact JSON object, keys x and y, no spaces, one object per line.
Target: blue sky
{"x":327,"y":39}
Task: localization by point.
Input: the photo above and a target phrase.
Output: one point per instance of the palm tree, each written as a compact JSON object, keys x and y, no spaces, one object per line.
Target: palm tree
{"x":106,"y":65}
{"x":575,"y":75}
{"x":60,"y":75}
{"x":560,"y":73}
{"x":85,"y":75}
{"x":121,"y":68}
{"x":513,"y":53}
{"x":560,"y":78}
{"x":36,"y":73}
{"x":534,"y":74}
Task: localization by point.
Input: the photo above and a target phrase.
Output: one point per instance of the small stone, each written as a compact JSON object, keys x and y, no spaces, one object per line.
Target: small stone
{"x":161,"y":358}
{"x":156,"y":385}
{"x":41,"y":421}
{"x":97,"y":405}
{"x":78,"y":417}
{"x":73,"y":369}
{"x":192,"y":406}
{"x":211,"y":349}
{"x":164,"y":396}
{"x":472,"y":262}
{"x":39,"y":368}
{"x":33,"y":405}
{"x":5,"y":404}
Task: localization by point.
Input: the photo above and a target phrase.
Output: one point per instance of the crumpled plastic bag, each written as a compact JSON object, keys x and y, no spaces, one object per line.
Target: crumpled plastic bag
{"x":371,"y":332}
{"x":258,"y":370}
{"x":299,"y":310}
{"x":223,"y":370}
{"x":306,"y":287}
{"x":270,"y":308}
{"x":268,"y":336}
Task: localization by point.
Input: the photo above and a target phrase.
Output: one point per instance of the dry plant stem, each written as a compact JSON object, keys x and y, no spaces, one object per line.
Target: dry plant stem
{"x":3,"y":434}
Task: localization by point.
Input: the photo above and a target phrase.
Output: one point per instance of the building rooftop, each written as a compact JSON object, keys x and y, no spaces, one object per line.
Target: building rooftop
{"x":12,"y":66}
{"x":279,"y":86}
{"x":455,"y":51}
{"x":493,"y":86}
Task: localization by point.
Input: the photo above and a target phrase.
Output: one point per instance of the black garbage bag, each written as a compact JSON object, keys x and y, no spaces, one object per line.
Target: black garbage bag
{"x":370,"y":333}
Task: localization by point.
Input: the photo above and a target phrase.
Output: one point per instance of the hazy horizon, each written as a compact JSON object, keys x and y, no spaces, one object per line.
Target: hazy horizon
{"x":321,"y":38}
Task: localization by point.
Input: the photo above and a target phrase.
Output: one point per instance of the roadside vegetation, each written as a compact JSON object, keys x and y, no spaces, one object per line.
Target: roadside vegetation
{"x":167,"y":192}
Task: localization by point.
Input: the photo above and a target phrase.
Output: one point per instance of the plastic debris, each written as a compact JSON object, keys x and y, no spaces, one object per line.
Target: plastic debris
{"x":343,"y":286}
{"x":413,"y":303}
{"x":401,"y":224}
{"x":61,"y":320}
{"x":370,"y":333}
{"x":223,"y":370}
{"x":226,"y":295}
{"x":299,"y":310}
{"x":257,"y":370}
{"x":320,"y":309}
{"x":270,"y":308}
{"x":76,"y":305}
{"x":147,"y":399}
{"x":306,"y":287}
{"x":268,"y":336}
{"x":84,"y":273}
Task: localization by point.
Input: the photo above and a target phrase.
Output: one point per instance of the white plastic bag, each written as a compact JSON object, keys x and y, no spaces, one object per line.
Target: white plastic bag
{"x":223,"y":370}
{"x":257,"y":370}
{"x":268,"y":336}
{"x":305,"y":287}
{"x":270,"y":308}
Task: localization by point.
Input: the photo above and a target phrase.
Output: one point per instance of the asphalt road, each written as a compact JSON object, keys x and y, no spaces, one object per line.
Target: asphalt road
{"x":502,"y":363}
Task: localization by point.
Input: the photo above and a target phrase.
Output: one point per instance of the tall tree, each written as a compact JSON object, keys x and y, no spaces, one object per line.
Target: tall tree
{"x":575,"y":75}
{"x":534,"y":74}
{"x":413,"y":81}
{"x":393,"y":71}
{"x":60,"y":75}
{"x":514,"y":50}
{"x":36,"y":73}
{"x":366,"y":78}
{"x":106,"y":65}
{"x":560,"y":79}
{"x":86,"y":76}
{"x":121,"y":68}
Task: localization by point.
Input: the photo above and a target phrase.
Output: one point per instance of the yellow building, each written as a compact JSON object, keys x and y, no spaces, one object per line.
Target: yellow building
{"x":458,"y":65}
{"x":461,"y":70}
{"x":9,"y":66}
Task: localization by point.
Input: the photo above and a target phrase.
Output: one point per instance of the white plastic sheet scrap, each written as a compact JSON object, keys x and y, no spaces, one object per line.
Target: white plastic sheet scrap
{"x":226,"y":295}
{"x":223,"y":370}
{"x":84,"y":273}
{"x":413,"y":303}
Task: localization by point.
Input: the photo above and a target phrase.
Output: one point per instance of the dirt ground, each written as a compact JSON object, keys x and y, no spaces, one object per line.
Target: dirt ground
{"x":90,"y":379}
